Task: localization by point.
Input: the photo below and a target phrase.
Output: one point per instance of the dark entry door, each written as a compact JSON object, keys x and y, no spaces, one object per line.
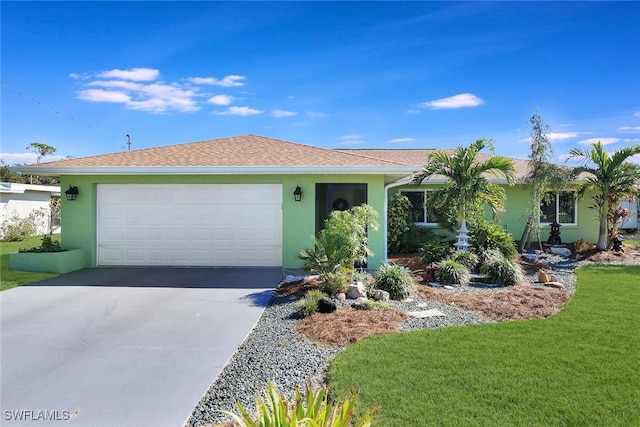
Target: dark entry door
{"x":330,"y":197}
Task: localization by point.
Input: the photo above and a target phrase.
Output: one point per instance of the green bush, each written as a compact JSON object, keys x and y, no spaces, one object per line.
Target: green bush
{"x":468,"y":259}
{"x":490,"y":255}
{"x":451,"y":272}
{"x":503,"y":272}
{"x":434,"y":251}
{"x":48,"y":245}
{"x":343,"y":242}
{"x":398,"y":223}
{"x":17,"y":228}
{"x":309,"y":304}
{"x":415,"y":237}
{"x":487,"y":235}
{"x":394,"y":279}
{"x":336,"y":282}
{"x":313,"y":409}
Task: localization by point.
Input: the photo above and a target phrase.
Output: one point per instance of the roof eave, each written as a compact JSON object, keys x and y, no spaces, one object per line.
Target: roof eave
{"x":219,"y":170}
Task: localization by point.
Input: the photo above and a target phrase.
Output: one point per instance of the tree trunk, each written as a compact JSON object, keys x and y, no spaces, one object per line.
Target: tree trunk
{"x":602,"y":238}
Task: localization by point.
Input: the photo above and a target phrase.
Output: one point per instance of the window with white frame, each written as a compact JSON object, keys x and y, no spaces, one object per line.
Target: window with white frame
{"x":421,"y":213}
{"x":560,"y":206}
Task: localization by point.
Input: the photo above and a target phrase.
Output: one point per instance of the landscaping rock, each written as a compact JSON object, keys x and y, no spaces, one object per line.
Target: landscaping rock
{"x":380,"y":295}
{"x":554,"y":284}
{"x":326,"y":305}
{"x":356,"y":291}
{"x":422,"y":314}
{"x":341,"y":296}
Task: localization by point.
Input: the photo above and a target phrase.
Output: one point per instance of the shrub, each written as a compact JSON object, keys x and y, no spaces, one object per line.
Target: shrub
{"x":370,"y":305}
{"x":581,"y":246}
{"x":487,"y":235}
{"x":451,"y":272}
{"x":343,"y":242}
{"x":48,"y":245}
{"x":17,"y":228}
{"x":314,"y":409}
{"x":398,"y":213}
{"x":491,"y":255}
{"x":468,"y":259}
{"x":503,"y":272}
{"x":394,"y":279}
{"x":415,"y":237}
{"x":336,"y":282}
{"x":309,"y":304}
{"x":434,"y":251}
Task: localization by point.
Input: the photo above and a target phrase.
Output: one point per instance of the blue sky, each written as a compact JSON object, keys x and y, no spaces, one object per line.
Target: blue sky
{"x":81,"y":75}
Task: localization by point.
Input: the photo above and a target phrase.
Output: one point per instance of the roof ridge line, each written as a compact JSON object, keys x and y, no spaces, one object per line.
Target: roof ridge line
{"x":370,"y":157}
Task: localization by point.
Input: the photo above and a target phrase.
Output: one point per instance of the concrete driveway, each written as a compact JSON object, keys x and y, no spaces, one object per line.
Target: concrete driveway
{"x":123,"y":346}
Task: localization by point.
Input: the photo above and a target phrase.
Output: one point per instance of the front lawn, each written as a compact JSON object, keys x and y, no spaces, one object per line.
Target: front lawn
{"x":12,"y":278}
{"x":578,"y":367}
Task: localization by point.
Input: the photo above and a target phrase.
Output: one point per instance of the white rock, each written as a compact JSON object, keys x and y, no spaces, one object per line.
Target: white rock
{"x":434,"y":312}
{"x":356,"y":291}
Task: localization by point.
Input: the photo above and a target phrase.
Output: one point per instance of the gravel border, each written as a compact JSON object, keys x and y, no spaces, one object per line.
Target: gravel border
{"x":274,"y":350}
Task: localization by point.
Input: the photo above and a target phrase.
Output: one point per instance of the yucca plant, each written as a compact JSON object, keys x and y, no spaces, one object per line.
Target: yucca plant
{"x":315,"y":409}
{"x":451,"y":272}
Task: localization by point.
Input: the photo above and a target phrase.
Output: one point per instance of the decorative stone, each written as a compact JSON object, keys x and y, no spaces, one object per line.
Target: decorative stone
{"x":554,"y":284}
{"x":326,"y":305}
{"x":341,"y":296}
{"x":556,"y":250}
{"x":434,"y":312}
{"x":380,"y":295}
{"x":543,"y":277}
{"x":356,"y":290}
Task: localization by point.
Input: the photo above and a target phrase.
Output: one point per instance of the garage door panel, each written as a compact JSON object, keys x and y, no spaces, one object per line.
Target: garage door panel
{"x":204,"y":224}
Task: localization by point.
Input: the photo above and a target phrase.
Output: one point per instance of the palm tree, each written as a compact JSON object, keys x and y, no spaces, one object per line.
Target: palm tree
{"x":612,"y":177}
{"x":467,"y":179}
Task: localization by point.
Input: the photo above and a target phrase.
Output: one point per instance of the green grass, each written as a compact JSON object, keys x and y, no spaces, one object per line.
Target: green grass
{"x":632,"y":243}
{"x":12,"y":278}
{"x":577,"y":368}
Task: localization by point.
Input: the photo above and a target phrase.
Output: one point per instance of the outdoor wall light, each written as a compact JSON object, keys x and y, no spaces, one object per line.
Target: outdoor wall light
{"x":71,"y":193}
{"x":297,"y":194}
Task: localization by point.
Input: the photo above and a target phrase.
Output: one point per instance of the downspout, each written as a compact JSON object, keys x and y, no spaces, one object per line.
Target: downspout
{"x":402,"y":181}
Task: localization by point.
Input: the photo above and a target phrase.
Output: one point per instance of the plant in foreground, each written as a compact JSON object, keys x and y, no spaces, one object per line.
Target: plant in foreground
{"x":451,"y":272}
{"x":394,"y":279}
{"x":433,"y":251}
{"x":313,"y":409}
{"x":468,"y":259}
{"x":309,"y":304}
{"x":503,"y":271}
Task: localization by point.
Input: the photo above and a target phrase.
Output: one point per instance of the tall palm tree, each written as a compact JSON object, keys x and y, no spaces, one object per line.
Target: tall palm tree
{"x":467,"y":179}
{"x":611,"y":177}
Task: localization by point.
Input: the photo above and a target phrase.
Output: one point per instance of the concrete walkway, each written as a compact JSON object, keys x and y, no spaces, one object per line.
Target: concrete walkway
{"x":125,"y":347}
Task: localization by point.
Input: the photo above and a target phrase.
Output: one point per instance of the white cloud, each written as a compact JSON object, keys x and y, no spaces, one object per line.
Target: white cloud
{"x":227,"y":81}
{"x":629,"y":128}
{"x":220,"y":100}
{"x":101,"y":95}
{"x":282,"y":113}
{"x":240,"y":111}
{"x":398,"y":140}
{"x":350,"y":137}
{"x":457,"y":101}
{"x":350,"y":140}
{"x":604,"y":141}
{"x":135,"y":74}
{"x":559,"y":136}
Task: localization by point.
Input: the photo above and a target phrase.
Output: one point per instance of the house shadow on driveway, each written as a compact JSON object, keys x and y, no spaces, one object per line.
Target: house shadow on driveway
{"x":264,"y":279}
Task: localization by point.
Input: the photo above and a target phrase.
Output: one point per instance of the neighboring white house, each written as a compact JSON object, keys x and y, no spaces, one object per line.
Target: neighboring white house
{"x":24,"y":199}
{"x":630,"y":222}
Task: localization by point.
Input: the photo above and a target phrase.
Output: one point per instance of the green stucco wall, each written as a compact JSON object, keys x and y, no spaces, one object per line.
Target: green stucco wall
{"x":517,"y":204}
{"x":298,"y":218}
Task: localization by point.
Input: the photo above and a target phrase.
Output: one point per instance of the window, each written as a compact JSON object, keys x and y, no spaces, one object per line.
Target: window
{"x":421,"y":213}
{"x":560,"y":206}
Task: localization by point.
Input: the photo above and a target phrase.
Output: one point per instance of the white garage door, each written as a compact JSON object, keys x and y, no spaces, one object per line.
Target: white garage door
{"x":190,"y":225}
